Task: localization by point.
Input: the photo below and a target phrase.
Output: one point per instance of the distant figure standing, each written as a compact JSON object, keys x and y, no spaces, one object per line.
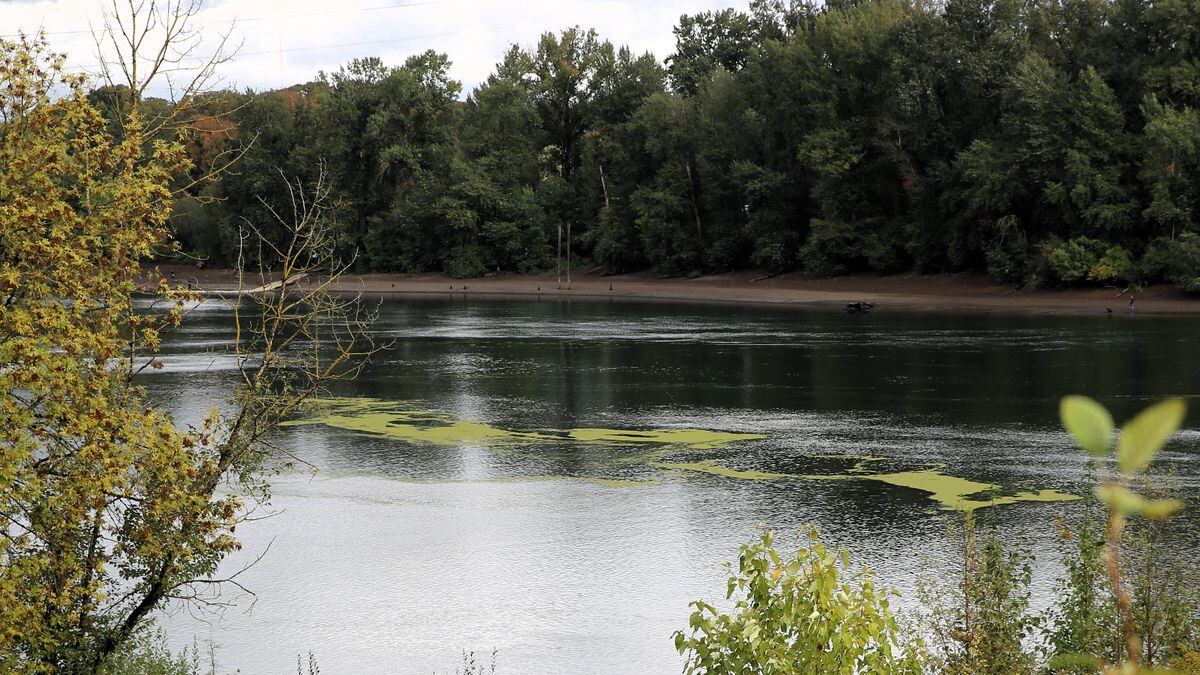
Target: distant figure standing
{"x":1131,"y":305}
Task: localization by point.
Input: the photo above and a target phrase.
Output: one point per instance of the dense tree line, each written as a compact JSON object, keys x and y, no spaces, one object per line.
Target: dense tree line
{"x":1044,"y":142}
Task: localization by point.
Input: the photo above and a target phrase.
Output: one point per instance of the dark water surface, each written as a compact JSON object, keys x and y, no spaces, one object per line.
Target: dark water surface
{"x":393,"y":556}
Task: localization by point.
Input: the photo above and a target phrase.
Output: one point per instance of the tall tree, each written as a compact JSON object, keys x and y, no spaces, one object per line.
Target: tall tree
{"x":110,"y":511}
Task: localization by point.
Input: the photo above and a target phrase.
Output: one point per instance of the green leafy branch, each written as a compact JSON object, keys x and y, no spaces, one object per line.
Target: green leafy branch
{"x":1142,"y":438}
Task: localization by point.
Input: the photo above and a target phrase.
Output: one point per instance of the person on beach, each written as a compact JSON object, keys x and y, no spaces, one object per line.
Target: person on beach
{"x":1131,"y":305}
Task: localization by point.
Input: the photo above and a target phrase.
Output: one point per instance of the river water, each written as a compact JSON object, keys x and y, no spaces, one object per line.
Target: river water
{"x":557,"y":480}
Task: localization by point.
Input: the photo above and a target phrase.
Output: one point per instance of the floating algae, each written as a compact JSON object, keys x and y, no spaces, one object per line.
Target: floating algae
{"x":710,"y":466}
{"x":700,"y":439}
{"x":391,"y":420}
{"x":952,"y":492}
{"x":386,"y":418}
{"x":612,"y":482}
{"x":422,"y":428}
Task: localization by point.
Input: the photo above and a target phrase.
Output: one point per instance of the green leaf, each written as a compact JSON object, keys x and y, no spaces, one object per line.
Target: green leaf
{"x":1161,"y":508}
{"x":1088,"y":423}
{"x":1121,"y":500}
{"x":1146,"y":434}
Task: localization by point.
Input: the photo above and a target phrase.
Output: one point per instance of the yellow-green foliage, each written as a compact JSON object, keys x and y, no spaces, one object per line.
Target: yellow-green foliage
{"x":102,"y":518}
{"x":809,"y":613}
{"x":1141,"y":439}
{"x":1187,"y":663}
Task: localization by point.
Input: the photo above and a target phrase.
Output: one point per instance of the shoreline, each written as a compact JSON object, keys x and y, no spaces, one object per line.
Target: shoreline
{"x":954,"y":293}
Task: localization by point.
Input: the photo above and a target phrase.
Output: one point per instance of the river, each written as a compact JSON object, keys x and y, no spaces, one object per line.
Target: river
{"x":557,"y":480}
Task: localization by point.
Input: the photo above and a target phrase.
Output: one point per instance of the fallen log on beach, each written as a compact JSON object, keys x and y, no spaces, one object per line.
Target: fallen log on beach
{"x":276,"y":285}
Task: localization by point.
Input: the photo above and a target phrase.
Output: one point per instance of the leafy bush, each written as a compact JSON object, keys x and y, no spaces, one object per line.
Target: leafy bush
{"x":806,"y":614}
{"x":470,"y":261}
{"x":1074,"y":260}
{"x":1162,"y":570}
{"x":1137,"y":643}
{"x":981,"y":624}
{"x":666,"y":236}
{"x":146,"y":653}
{"x":1175,"y":260}
{"x":1115,"y":265}
{"x":832,"y":248}
{"x":1084,"y":258}
{"x":1187,"y":662}
{"x":1164,"y":595}
{"x":1005,"y":263}
{"x":1125,"y":605}
{"x":1039,"y":271}
{"x":1083,"y":619}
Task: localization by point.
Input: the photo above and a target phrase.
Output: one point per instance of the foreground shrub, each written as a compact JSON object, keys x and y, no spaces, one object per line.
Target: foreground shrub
{"x":806,"y":614}
{"x":1146,"y":617}
{"x":982,"y":623}
{"x":1083,"y":619}
{"x":146,"y":653}
{"x":472,"y":665}
{"x":1162,"y":588}
{"x":1128,"y":603}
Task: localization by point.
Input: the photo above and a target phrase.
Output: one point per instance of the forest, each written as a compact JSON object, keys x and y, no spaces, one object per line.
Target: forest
{"x":1043,"y":143}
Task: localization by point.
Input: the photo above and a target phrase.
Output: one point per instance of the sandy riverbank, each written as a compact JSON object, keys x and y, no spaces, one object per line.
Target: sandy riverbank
{"x":945,"y":292}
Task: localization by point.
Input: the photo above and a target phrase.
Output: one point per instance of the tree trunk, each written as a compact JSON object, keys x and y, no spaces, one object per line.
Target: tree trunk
{"x":604,"y":186}
{"x":687,"y":165}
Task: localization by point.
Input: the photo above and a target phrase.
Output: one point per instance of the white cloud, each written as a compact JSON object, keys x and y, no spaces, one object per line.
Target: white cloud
{"x":288,"y":41}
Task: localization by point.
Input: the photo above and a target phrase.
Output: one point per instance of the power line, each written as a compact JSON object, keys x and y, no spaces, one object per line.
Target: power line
{"x":84,"y":31}
{"x":409,"y":38}
{"x":267,"y":52}
{"x":338,"y":11}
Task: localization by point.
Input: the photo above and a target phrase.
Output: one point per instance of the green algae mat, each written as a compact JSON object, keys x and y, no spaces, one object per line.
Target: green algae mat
{"x":396,"y":421}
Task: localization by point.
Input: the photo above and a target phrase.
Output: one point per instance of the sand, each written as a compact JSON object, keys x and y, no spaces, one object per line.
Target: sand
{"x":936,"y":293}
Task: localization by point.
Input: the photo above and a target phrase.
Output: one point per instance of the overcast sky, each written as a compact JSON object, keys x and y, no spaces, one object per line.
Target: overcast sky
{"x":288,"y":41}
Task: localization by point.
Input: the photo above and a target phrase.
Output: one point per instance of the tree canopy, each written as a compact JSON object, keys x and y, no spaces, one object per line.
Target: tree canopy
{"x":1043,"y":143}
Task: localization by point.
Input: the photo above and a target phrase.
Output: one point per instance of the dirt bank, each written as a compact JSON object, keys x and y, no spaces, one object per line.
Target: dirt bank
{"x":945,"y":292}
